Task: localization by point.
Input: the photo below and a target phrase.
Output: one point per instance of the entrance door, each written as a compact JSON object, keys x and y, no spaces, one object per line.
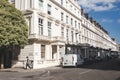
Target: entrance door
{"x":54,"y":52}
{"x":42,"y":51}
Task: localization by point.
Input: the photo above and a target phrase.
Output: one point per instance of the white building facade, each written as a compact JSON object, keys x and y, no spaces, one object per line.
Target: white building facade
{"x":55,"y":24}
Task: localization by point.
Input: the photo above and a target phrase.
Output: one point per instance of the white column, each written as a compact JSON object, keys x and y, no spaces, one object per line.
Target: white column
{"x":25,"y":2}
{"x":37,"y":56}
{"x":45,"y":29}
{"x":58,"y":52}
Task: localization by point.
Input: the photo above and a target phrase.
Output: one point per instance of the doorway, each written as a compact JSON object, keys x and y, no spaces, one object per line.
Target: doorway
{"x":42,"y":51}
{"x":54,"y":52}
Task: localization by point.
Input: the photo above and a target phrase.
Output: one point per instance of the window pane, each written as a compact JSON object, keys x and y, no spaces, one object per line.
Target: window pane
{"x":49,"y":28}
{"x":40,"y":26}
{"x":40,"y":3}
{"x":62,"y":16}
{"x":49,"y":9}
{"x":62,"y":31}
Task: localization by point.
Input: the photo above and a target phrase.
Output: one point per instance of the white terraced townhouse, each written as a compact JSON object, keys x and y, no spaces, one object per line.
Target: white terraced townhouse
{"x":58,"y":27}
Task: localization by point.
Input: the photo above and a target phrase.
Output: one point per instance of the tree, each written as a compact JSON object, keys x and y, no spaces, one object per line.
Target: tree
{"x":13,"y":28}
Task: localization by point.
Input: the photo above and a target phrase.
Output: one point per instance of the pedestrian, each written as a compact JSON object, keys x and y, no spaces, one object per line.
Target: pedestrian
{"x":28,"y":63}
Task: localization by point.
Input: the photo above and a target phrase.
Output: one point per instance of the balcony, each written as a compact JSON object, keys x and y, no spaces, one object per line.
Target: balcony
{"x":27,"y":11}
{"x":39,"y":37}
{"x":58,"y":39}
{"x":57,"y":22}
{"x":71,"y":42}
{"x":50,"y":17}
{"x":84,"y":25}
{"x":42,"y":14}
{"x":46,"y":38}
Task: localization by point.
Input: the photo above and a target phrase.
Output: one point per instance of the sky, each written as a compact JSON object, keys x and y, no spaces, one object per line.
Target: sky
{"x":106,"y":13}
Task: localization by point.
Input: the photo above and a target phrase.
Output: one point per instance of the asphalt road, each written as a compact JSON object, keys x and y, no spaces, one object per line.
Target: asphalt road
{"x":106,"y":70}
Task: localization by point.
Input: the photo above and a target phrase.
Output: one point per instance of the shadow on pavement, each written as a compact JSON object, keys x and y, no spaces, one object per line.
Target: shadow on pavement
{"x":103,"y":65}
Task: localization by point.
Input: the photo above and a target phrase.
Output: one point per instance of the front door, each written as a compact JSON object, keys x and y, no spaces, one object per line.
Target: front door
{"x":54,"y":52}
{"x":42,"y":51}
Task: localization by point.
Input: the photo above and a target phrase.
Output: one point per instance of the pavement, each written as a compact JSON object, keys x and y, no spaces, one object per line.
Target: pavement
{"x":28,"y":70}
{"x":16,"y":70}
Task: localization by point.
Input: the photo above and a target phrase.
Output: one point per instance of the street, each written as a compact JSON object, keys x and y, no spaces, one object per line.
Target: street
{"x":105,"y":70}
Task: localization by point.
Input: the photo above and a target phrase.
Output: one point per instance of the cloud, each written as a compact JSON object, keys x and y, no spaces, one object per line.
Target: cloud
{"x":97,"y":5}
{"x":107,"y":20}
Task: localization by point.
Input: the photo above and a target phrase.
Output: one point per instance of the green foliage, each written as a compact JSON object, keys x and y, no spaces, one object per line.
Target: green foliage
{"x":13,"y":28}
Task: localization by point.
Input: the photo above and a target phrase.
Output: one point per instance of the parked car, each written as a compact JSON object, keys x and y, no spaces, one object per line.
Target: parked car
{"x":86,"y":61}
{"x":89,"y":60}
{"x":118,"y":60}
{"x":98,"y":58}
